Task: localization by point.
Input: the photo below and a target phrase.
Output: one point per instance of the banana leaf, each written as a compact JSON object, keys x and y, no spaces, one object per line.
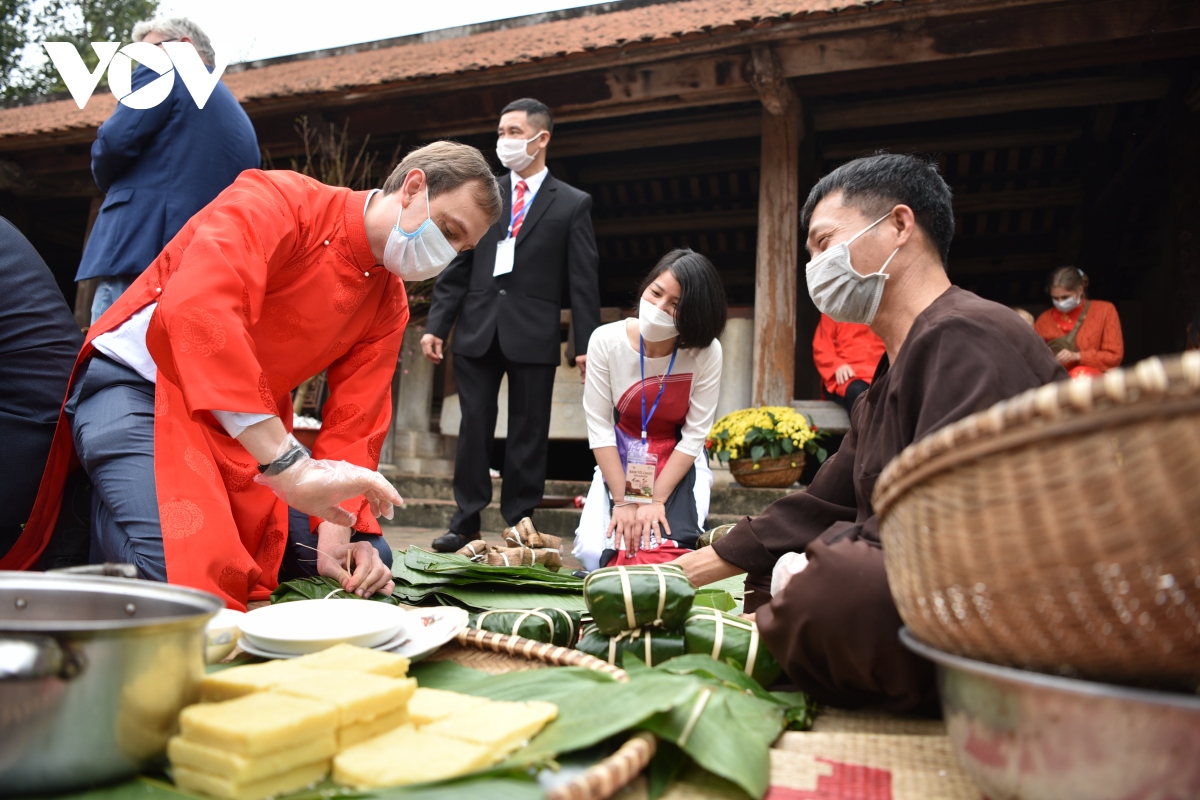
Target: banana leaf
{"x":731,"y":639}
{"x":644,"y":595}
{"x":462,"y":567}
{"x":542,"y":624}
{"x":799,"y":710}
{"x":318,"y":588}
{"x":714,"y":598}
{"x":649,"y":644}
{"x":485,"y":597}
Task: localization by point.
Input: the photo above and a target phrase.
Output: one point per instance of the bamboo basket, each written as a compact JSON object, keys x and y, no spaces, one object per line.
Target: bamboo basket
{"x":497,"y":653}
{"x":1059,"y":530}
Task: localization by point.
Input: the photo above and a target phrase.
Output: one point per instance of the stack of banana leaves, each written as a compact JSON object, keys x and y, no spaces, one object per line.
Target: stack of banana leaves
{"x":426,"y":578}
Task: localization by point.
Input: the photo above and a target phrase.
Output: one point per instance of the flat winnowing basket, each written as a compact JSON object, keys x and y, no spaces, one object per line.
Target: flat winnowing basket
{"x":1059,"y":530}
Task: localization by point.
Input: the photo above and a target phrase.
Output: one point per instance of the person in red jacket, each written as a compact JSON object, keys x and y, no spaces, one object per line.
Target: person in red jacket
{"x":846,"y":355}
{"x":1084,"y":334}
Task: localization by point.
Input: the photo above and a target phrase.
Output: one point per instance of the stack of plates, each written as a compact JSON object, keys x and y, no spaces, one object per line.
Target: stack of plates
{"x":292,"y":629}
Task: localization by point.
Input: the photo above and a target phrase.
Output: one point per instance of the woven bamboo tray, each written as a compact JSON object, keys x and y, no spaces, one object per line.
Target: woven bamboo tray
{"x":497,"y":653}
{"x":1058,"y":530}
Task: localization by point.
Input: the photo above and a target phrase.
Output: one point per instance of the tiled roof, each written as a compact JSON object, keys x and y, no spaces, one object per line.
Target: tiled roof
{"x":624,"y":30}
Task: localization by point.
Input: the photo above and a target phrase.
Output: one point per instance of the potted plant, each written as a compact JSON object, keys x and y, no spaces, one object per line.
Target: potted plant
{"x":765,"y":446}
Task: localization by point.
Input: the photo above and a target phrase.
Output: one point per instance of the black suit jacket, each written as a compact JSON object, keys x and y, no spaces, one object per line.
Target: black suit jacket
{"x":555,"y":257}
{"x":38,"y":344}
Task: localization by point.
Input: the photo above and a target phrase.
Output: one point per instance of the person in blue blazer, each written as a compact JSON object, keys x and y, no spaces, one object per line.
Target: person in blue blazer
{"x":159,"y":166}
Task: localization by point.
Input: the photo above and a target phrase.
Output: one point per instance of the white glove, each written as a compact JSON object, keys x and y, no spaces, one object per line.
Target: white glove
{"x":316,"y":486}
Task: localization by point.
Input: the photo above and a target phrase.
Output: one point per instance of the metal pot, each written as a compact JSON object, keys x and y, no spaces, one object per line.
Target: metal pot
{"x":1027,"y":736}
{"x":93,"y":674}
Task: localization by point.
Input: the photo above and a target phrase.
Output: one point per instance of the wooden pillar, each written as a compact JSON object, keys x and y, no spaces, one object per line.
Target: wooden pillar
{"x":778,"y":233}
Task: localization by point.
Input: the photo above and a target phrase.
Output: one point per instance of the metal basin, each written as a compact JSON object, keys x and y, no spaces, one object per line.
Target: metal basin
{"x":1027,"y":736}
{"x":93,"y":674}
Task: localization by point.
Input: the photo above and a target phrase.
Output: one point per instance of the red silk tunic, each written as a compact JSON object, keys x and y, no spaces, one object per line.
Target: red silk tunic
{"x":266,"y":286}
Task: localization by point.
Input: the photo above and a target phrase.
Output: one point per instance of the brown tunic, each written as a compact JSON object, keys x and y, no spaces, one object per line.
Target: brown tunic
{"x":834,"y":625}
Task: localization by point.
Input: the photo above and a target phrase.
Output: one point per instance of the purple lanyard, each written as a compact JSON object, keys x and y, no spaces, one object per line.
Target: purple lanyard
{"x":662,"y":384}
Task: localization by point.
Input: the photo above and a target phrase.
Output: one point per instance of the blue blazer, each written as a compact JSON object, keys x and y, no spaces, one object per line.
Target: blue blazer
{"x":158,"y":167}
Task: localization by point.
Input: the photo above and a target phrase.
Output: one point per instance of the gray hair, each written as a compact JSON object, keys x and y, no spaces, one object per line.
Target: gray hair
{"x":177,"y":28}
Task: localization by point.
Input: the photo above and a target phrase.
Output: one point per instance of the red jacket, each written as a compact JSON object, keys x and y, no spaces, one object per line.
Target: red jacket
{"x":266,"y":286}
{"x":837,"y":343}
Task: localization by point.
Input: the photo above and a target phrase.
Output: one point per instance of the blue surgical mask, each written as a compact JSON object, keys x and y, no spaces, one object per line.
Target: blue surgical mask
{"x":422,"y":254}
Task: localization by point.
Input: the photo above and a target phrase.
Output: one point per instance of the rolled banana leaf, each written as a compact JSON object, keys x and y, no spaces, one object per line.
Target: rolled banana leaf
{"x":644,"y":595}
{"x":477,"y":550}
{"x":525,"y":557}
{"x":552,"y":625}
{"x":730,"y":639}
{"x":523,"y":534}
{"x":649,"y":644}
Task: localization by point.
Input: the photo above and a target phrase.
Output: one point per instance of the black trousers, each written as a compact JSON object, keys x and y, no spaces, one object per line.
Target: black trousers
{"x":853,"y":390}
{"x":530,"y":387}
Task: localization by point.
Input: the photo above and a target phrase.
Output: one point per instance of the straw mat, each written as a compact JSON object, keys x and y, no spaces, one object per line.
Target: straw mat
{"x":849,"y":755}
{"x":483,"y":660}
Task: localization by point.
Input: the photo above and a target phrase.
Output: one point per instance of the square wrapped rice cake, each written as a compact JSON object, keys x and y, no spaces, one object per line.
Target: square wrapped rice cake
{"x":239,"y":681}
{"x":263,"y":722}
{"x":243,"y":769}
{"x":356,"y":659}
{"x":405,"y":756}
{"x":500,"y":726}
{"x":361,"y":731}
{"x":359,"y":696}
{"x":298,"y":778}
{"x":430,"y":705}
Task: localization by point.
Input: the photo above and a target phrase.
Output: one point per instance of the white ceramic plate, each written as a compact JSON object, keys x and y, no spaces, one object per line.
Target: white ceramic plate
{"x":263,"y":652}
{"x":306,"y":626}
{"x":427,"y":629}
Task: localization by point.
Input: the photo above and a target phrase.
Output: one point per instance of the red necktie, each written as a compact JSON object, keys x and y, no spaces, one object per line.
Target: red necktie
{"x":518,"y":209}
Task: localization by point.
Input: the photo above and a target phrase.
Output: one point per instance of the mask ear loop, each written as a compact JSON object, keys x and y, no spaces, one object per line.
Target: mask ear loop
{"x":428,"y":215}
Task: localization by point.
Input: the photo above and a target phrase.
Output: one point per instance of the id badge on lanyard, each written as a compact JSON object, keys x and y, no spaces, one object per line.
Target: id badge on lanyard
{"x":641,"y":464}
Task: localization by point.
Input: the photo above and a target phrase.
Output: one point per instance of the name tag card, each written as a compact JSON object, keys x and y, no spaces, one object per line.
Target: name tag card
{"x":639,"y":474}
{"x":505,"y":250}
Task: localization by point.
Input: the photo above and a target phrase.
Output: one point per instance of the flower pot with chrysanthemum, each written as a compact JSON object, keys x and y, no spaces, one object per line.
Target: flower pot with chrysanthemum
{"x":765,"y":446}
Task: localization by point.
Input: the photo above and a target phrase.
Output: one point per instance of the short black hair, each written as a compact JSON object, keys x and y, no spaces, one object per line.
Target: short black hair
{"x":535,"y":110}
{"x":700,"y":312}
{"x":874,"y":184}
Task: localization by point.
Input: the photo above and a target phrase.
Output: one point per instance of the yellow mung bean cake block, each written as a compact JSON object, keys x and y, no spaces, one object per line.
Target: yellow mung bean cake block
{"x":430,"y":705}
{"x":499,"y":725}
{"x":263,"y":722}
{"x":359,"y":696}
{"x":356,"y":659}
{"x":238,"y":681}
{"x":361,"y":731}
{"x":248,"y":769}
{"x":298,"y":778}
{"x":405,"y":756}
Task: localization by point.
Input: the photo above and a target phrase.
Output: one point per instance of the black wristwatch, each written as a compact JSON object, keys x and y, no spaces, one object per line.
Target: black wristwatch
{"x":296,"y":452}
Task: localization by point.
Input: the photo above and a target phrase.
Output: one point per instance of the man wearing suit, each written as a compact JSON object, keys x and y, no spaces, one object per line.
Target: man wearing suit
{"x":159,"y":166}
{"x":38,"y":343}
{"x":506,"y":295}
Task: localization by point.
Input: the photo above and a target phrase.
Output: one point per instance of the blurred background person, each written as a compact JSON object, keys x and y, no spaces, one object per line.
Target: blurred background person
{"x":1193,"y":333}
{"x":659,"y":376}
{"x":846,"y":355}
{"x":159,"y":166}
{"x":1025,"y":315}
{"x":38,"y":344}
{"x":1084,"y":334}
{"x":504,"y":299}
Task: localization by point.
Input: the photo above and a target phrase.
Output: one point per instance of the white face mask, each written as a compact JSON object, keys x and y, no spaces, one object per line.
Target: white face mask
{"x":841,"y":293}
{"x":418,"y":255}
{"x":1067,"y":304}
{"x":655,"y":324}
{"x":512,"y":152}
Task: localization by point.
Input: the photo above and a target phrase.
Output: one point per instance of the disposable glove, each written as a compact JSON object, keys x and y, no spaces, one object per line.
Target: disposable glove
{"x":316,"y":486}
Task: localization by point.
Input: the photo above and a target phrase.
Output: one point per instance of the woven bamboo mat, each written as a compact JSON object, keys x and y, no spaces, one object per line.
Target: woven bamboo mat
{"x":483,"y":660}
